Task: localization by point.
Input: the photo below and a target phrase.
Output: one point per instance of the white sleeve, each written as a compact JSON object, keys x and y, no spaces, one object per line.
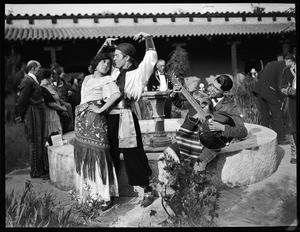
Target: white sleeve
{"x":137,"y":79}
{"x":82,"y":92}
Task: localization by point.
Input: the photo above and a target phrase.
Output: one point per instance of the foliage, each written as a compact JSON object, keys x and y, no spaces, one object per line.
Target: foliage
{"x":258,"y":9}
{"x":178,"y":63}
{"x":189,"y":193}
{"x":16,"y":147}
{"x":33,"y":209}
{"x":246,"y":100}
{"x":14,"y":70}
{"x":86,"y":206}
{"x":291,"y":10}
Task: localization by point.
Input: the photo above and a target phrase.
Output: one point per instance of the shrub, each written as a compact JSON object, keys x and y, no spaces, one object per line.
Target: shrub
{"x":86,"y":207}
{"x":189,"y":193}
{"x":14,"y":71}
{"x":33,"y":209}
{"x":16,"y":147}
{"x":179,"y":63}
{"x":246,"y":100}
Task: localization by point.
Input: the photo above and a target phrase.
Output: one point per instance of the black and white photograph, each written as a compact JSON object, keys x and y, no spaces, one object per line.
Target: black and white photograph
{"x":150,"y":115}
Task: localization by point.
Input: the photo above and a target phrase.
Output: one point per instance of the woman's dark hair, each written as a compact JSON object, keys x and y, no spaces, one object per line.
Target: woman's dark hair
{"x":225,"y":81}
{"x":56,"y":69}
{"x":95,"y":61}
{"x":46,"y":73}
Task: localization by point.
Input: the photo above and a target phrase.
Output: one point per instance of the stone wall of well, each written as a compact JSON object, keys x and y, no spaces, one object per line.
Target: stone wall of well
{"x":239,"y":164}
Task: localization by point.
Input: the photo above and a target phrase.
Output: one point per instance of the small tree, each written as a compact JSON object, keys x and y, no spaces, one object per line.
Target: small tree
{"x":13,"y":71}
{"x":179,"y":63}
{"x":257,"y":9}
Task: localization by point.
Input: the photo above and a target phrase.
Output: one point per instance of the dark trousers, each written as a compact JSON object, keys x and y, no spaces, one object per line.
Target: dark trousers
{"x":271,"y":115}
{"x":136,"y":162}
{"x":34,"y":128}
{"x":292,"y":112}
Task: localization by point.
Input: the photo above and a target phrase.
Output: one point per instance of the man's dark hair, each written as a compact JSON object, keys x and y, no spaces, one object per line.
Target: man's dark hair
{"x":95,"y":61}
{"x":46,"y":73}
{"x":290,"y":57}
{"x":225,"y":81}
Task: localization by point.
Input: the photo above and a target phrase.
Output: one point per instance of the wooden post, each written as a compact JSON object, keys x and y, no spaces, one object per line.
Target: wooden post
{"x":234,"y":58}
{"x":53,"y":52}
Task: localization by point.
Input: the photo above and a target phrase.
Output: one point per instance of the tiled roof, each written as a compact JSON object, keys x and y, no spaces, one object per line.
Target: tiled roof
{"x":65,"y":27}
{"x":67,"y":33}
{"x":193,"y":14}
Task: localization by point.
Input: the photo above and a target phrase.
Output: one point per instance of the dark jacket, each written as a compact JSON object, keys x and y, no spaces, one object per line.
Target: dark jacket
{"x":30,"y":95}
{"x":225,"y":106}
{"x":268,"y":82}
{"x":287,"y":81}
{"x":154,"y":82}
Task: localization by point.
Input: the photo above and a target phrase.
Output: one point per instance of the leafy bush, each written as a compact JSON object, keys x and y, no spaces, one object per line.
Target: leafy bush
{"x":178,"y":63}
{"x":33,"y":209}
{"x":16,"y":147}
{"x":189,"y":193}
{"x":246,"y":100}
{"x":14,"y":71}
{"x":87,"y":208}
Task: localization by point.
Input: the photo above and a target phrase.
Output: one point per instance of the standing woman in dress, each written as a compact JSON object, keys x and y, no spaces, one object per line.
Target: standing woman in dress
{"x":64,"y":93}
{"x":52,"y":105}
{"x":94,"y":166}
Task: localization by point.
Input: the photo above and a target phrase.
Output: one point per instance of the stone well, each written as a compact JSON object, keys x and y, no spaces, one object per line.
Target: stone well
{"x":239,"y":164}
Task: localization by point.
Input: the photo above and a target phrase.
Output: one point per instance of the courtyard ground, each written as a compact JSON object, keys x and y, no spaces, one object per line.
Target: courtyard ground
{"x":268,"y":203}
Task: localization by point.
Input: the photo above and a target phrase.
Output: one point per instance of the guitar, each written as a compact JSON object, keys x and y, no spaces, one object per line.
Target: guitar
{"x":210,"y":139}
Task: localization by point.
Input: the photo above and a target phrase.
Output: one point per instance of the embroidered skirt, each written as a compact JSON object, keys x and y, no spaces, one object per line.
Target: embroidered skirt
{"x":94,"y":166}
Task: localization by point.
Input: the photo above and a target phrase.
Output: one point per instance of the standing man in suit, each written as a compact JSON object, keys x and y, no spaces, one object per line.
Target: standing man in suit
{"x":270,"y":98}
{"x":159,"y":80}
{"x":31,"y":111}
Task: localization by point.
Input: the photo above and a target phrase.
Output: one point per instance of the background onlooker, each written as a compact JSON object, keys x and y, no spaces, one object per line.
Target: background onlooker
{"x":270,"y":98}
{"x":31,"y":111}
{"x":64,"y":91}
{"x":288,"y":87}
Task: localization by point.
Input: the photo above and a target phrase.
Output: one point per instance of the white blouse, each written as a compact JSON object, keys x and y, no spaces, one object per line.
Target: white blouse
{"x":97,"y":88}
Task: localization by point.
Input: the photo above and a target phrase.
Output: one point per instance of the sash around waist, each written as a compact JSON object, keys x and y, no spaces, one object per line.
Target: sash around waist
{"x":123,"y":104}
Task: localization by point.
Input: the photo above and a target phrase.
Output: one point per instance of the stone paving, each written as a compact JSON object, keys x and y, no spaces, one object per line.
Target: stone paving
{"x":271,"y":202}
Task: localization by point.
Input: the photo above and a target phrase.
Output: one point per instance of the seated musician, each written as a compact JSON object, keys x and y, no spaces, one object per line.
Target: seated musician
{"x":193,"y":137}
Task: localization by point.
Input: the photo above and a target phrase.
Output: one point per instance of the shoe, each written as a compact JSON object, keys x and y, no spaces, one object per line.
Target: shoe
{"x":35,"y":176}
{"x":293,"y":161}
{"x":148,"y":199}
{"x":283,"y":142}
{"x":106,"y":205}
{"x":45,"y":177}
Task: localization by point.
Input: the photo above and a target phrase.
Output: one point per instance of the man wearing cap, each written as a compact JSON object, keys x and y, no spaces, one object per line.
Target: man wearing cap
{"x":123,"y":127}
{"x":188,"y":143}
